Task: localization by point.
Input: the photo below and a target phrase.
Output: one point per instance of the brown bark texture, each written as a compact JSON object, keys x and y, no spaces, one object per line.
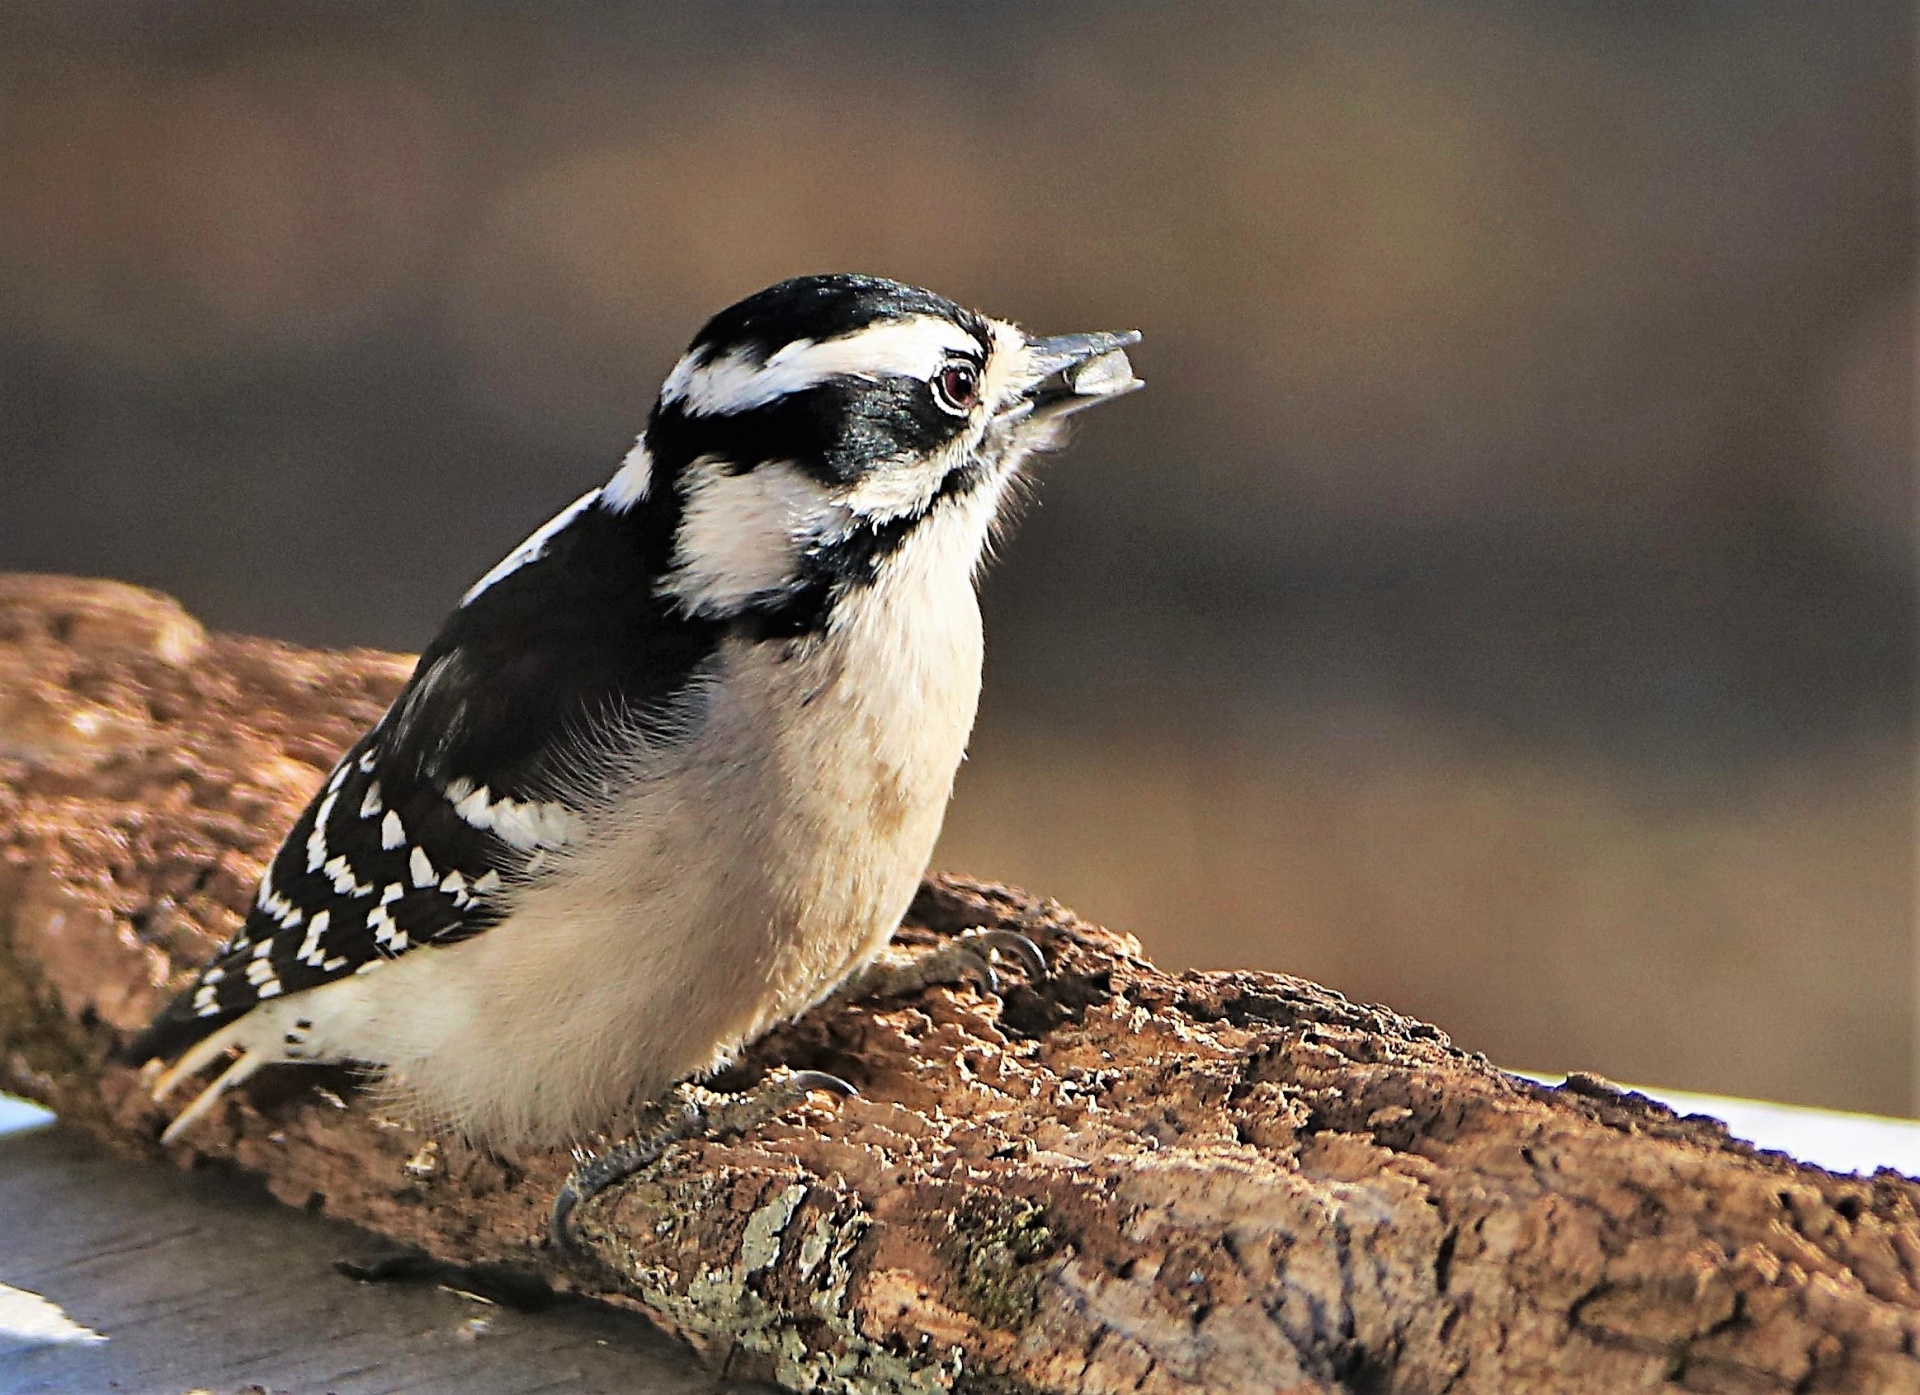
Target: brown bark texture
{"x":1117,"y":1179}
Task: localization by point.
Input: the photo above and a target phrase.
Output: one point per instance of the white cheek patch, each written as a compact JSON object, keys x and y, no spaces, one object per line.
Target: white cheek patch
{"x":741,"y":535}
{"x":534,"y":548}
{"x":913,"y":347}
{"x":631,"y":481}
{"x":901,"y":489}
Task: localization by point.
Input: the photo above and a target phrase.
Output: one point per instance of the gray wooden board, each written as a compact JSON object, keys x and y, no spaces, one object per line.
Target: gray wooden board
{"x":200,"y":1282}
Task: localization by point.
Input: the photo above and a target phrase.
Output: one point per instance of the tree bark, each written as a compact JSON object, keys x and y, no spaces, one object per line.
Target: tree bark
{"x":1118,"y":1179}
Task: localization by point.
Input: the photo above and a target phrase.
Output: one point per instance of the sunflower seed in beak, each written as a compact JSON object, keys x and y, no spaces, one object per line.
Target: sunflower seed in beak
{"x":1105,"y":375}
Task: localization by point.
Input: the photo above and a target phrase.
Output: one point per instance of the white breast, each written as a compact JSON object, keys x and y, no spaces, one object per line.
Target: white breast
{"x":734,"y":884}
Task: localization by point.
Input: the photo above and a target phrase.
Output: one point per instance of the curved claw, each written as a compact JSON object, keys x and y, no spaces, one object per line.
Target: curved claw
{"x":1013,"y":944}
{"x":595,"y":1174}
{"x":805,"y":1081}
{"x":976,"y":964}
{"x":560,"y":1219}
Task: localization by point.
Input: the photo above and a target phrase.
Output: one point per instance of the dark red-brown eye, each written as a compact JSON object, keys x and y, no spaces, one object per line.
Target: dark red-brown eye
{"x":957,"y":387}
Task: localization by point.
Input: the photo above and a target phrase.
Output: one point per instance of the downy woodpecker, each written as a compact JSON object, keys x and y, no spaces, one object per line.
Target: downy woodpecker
{"x":671,"y":771}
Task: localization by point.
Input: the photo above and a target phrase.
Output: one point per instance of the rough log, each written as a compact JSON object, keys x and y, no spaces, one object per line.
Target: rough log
{"x":1120,"y":1179}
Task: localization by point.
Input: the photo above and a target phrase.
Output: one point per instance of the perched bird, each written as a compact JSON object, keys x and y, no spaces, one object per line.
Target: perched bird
{"x":671,"y":771}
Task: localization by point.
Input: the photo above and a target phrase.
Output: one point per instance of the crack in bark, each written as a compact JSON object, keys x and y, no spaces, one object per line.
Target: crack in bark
{"x":1117,"y":1179}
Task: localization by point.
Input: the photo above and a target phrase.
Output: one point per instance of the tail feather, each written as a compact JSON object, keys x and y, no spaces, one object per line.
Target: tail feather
{"x":176,"y":1029}
{"x":242,"y":1067}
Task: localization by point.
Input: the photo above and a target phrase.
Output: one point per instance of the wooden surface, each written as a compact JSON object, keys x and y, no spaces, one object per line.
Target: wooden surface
{"x":201,"y":1282}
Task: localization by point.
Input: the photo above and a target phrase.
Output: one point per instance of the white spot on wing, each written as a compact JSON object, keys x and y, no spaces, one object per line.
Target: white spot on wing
{"x":533,"y":549}
{"x":274,"y":904}
{"x":523,"y":824}
{"x":340,"y":874}
{"x":421,"y":869}
{"x":310,"y":946}
{"x":317,"y":839}
{"x":386,"y":931}
{"x":468,"y":802}
{"x":392,"y":834}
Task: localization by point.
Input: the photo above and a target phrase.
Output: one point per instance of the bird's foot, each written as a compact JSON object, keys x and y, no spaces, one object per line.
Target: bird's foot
{"x":700,"y":1114}
{"x":967,"y":958}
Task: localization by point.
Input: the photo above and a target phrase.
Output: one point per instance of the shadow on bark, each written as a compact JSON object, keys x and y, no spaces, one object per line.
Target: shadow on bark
{"x":1118,"y":1179}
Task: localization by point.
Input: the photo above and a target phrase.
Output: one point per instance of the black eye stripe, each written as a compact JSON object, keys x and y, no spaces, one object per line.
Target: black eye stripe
{"x":833,"y":431}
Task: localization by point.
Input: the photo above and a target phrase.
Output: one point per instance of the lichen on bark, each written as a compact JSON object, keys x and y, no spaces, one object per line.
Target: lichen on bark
{"x":1117,"y":1179}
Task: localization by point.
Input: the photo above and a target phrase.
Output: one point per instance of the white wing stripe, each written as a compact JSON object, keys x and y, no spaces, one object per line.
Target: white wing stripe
{"x":533,"y":549}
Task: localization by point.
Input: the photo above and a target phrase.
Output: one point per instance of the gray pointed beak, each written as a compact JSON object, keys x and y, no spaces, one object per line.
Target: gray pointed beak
{"x":1075,"y":371}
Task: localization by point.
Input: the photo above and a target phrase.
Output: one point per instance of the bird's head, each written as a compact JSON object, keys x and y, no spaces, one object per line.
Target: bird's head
{"x":815,"y":428}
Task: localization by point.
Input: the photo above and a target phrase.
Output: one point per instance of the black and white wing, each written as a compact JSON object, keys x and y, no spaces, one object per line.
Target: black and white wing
{"x":470,"y":782}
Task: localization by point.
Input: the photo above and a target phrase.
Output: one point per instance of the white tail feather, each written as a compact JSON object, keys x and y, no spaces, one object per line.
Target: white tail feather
{"x":197,"y":1058}
{"x":248,"y":1062}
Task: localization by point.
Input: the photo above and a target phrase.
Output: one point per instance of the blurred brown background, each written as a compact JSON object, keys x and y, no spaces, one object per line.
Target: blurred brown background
{"x":1499,"y":605}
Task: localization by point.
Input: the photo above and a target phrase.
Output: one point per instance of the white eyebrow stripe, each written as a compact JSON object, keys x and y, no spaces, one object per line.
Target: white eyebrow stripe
{"x":913,"y":347}
{"x":533,"y":549}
